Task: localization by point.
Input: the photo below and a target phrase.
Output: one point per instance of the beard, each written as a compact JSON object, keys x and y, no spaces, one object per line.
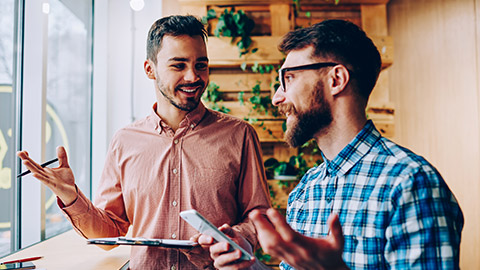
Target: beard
{"x":308,"y":123}
{"x":192,"y":102}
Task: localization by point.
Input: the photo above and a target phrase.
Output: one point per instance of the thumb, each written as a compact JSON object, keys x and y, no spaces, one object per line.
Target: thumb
{"x":226,"y":229}
{"x":62,"y":157}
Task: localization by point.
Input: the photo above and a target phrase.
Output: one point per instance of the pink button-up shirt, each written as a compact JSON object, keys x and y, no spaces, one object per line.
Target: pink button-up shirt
{"x":212,"y":163}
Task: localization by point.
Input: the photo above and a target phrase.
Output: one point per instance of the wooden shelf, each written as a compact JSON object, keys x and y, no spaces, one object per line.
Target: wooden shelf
{"x":267,"y":2}
{"x":227,"y":54}
{"x":245,"y":110}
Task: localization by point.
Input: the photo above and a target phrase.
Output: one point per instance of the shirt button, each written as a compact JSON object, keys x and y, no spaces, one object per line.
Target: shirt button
{"x":173,"y":267}
{"x":174,"y":235}
{"x":192,"y":125}
{"x":174,"y":203}
{"x":175,"y":171}
{"x":355,"y":240}
{"x":329,"y":199}
{"x":175,"y":141}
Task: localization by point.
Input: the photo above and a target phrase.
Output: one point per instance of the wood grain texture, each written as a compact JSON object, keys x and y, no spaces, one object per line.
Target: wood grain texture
{"x":70,"y":251}
{"x":434,"y":85}
{"x":263,"y":2}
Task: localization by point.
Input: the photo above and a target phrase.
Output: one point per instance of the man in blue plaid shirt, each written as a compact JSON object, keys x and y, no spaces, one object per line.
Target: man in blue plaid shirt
{"x":371,"y":204}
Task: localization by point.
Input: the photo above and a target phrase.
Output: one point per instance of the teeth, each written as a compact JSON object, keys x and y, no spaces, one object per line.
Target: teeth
{"x":189,"y":90}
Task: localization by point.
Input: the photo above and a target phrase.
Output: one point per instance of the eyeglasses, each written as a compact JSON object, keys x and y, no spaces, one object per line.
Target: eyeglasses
{"x":281,"y":72}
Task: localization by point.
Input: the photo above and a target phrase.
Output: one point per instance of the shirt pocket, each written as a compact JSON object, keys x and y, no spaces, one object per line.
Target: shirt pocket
{"x":364,"y":252}
{"x":213,"y":190}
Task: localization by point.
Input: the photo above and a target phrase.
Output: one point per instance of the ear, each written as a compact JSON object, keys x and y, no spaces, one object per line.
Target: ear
{"x":339,"y":78}
{"x":149,"y":68}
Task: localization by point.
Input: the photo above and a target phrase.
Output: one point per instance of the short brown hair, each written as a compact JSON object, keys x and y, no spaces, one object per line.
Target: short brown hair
{"x":175,"y":25}
{"x":345,"y":43}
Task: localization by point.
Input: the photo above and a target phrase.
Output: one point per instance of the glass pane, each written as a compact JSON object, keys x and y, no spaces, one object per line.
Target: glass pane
{"x":7,"y":108}
{"x":68,"y":96}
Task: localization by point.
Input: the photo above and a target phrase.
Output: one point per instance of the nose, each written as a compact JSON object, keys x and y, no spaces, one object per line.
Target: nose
{"x":279,"y":97}
{"x":190,"y":75}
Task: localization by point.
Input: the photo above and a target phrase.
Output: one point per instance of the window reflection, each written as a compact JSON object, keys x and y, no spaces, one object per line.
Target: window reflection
{"x":6,"y":111}
{"x":68,"y":96}
{"x":68,"y":105}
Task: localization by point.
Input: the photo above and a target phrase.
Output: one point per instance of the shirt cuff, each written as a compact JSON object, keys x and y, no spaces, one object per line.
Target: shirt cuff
{"x":81,"y":205}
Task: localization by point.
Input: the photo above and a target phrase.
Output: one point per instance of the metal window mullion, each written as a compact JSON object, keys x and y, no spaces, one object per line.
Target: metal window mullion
{"x":33,"y":118}
{"x":44,"y":117}
{"x":15,"y":236}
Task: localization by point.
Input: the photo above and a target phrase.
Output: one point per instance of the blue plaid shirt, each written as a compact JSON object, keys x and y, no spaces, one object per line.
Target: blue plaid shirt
{"x":395,"y":209}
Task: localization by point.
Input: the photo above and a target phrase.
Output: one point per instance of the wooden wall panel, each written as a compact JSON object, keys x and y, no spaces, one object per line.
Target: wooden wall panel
{"x":434,"y":85}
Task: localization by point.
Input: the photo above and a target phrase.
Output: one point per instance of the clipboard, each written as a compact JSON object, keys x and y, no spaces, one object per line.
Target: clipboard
{"x":138,"y":241}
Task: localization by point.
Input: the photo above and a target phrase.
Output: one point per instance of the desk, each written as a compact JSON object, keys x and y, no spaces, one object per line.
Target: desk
{"x":70,"y":251}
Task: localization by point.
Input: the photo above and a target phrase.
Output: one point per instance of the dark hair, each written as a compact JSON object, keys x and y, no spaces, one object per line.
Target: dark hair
{"x":174,"y":25}
{"x":343,"y":42}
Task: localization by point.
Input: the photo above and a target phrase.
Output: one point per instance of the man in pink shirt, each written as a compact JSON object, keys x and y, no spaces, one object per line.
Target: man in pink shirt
{"x":182,"y":156}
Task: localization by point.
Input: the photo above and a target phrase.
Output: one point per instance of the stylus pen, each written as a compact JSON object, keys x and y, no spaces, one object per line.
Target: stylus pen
{"x":23,"y":260}
{"x":43,"y":165}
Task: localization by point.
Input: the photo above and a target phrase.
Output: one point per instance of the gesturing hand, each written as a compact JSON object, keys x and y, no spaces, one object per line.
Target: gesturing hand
{"x":220,"y":252}
{"x":278,"y":239}
{"x":60,"y":180}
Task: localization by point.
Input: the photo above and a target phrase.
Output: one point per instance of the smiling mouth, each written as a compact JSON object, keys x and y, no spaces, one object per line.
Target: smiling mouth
{"x":189,"y":90}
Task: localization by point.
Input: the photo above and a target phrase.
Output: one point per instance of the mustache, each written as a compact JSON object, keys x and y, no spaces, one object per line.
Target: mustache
{"x":286,"y":108}
{"x":194,"y":84}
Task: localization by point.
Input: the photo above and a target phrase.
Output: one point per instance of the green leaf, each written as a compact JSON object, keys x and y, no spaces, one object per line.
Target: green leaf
{"x":211,"y":14}
{"x":308,"y":14}
{"x":254,"y":50}
{"x":255,"y":67}
{"x":243,"y":66}
{"x":268,"y":68}
{"x":241,"y":98}
{"x":227,"y":33}
{"x":261,"y":70}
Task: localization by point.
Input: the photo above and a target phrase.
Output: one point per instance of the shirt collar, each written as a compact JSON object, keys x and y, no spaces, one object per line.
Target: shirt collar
{"x":354,"y":151}
{"x":191,"y":119}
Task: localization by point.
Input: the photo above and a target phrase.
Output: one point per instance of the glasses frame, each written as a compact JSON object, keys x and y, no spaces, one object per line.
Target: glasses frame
{"x":319,"y":65}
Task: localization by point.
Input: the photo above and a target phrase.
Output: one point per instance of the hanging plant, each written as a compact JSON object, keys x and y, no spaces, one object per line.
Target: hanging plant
{"x":213,"y":96}
{"x":236,"y":25}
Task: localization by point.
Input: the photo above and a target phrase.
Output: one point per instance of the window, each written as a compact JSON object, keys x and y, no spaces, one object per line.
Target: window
{"x":45,"y":101}
{"x":68,"y":96}
{"x":7,"y":149}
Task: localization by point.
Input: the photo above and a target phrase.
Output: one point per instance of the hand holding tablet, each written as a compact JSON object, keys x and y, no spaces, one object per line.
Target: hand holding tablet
{"x":202,"y":225}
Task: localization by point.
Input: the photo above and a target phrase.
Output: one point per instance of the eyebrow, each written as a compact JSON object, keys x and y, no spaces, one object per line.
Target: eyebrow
{"x":183,"y":59}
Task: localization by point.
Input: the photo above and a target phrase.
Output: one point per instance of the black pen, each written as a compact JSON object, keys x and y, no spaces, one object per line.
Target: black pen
{"x":43,"y":165}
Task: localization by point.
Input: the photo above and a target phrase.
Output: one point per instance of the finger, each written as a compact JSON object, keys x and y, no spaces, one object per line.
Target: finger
{"x":204,"y":240}
{"x":218,"y":249}
{"x":42,"y":178}
{"x":34,"y":167}
{"x":62,"y":157}
{"x":30,"y":163}
{"x":261,"y":221}
{"x":22,"y":154}
{"x":270,"y":240}
{"x":231,"y":260}
{"x":195,"y":237}
{"x":336,"y":231}
{"x":226,"y":229}
{"x":285,"y":231}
